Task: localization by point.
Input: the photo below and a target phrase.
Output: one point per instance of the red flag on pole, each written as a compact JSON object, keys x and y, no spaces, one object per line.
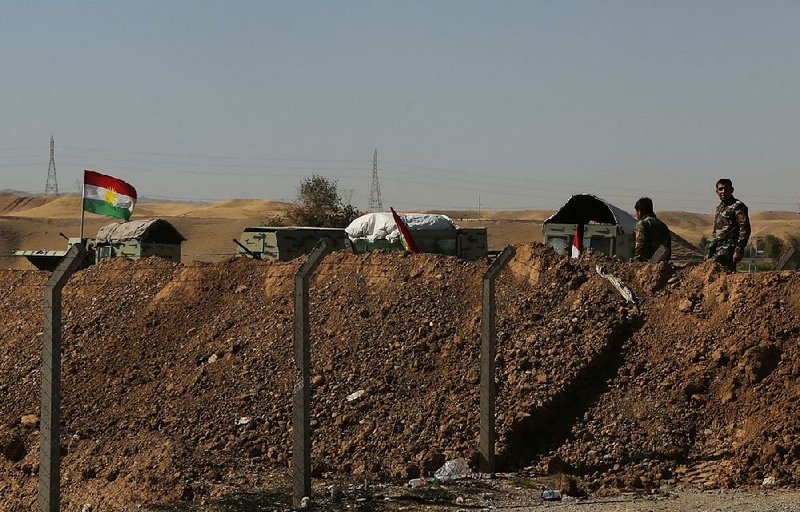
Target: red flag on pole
{"x":403,"y":227}
{"x":577,"y":241}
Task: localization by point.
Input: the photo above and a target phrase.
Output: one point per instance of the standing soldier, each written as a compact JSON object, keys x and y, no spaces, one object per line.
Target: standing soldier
{"x":731,"y":228}
{"x":650,"y":232}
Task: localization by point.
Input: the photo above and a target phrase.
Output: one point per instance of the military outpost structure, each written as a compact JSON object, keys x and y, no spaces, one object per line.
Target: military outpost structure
{"x":439,"y":237}
{"x":606,"y":228}
{"x":283,"y":243}
{"x":134,"y":239}
{"x":138,"y":239}
{"x":432,"y":233}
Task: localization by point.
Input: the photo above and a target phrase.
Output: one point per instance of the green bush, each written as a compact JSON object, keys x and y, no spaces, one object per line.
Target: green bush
{"x":320,"y":204}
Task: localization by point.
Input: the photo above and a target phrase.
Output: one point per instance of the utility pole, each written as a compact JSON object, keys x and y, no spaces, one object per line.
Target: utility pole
{"x":52,"y":185}
{"x":375,"y":201}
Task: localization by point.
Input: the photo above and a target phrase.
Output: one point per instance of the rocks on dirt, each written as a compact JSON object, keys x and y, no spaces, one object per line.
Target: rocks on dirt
{"x":704,"y":370}
{"x":12,"y":447}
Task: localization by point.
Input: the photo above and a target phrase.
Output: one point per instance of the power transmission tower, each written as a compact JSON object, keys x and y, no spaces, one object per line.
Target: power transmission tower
{"x":52,"y":185}
{"x":347,"y":195}
{"x":375,"y":201}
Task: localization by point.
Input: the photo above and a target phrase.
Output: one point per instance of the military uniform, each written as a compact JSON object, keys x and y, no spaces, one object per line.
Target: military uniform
{"x":731,"y":232}
{"x":651,"y":233}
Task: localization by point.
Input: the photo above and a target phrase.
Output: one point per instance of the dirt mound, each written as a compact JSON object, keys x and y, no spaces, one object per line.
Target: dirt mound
{"x":705,"y":392}
{"x":69,"y":206}
{"x":177,"y":379}
{"x":13,"y":202}
{"x":773,"y":215}
{"x":146,"y":210}
{"x":514,"y":215}
{"x":238,"y":209}
{"x":683,"y":251}
{"x":691,"y":226}
{"x":65,"y":206}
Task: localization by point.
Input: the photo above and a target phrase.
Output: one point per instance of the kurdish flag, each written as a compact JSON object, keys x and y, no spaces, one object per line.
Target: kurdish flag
{"x":408,"y":238}
{"x":106,"y":195}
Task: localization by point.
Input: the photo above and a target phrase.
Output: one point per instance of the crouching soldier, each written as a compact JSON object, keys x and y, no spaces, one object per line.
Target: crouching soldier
{"x":650,"y":232}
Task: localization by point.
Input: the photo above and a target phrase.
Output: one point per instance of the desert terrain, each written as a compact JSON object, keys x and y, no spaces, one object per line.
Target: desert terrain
{"x":177,"y":377}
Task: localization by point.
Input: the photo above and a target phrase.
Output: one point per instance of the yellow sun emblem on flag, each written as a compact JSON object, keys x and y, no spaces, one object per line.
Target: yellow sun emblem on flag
{"x":110,"y":196}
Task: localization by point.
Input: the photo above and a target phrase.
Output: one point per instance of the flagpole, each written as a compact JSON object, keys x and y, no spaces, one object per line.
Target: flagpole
{"x":83,"y":191}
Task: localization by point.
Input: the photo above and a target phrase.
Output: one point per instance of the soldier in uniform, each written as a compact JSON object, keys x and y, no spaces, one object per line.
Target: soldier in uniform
{"x":650,"y":232}
{"x":731,"y":228}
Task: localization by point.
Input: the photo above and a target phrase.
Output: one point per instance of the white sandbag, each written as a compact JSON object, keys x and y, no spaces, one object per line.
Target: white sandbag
{"x":371,"y":226}
{"x":428,"y":221}
{"x":375,"y":226}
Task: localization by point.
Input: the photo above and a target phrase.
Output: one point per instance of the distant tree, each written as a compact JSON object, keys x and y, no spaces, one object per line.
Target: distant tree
{"x":319,"y":203}
{"x":773,"y":247}
{"x":275,"y":220}
{"x":703,"y":245}
{"x":794,"y":261}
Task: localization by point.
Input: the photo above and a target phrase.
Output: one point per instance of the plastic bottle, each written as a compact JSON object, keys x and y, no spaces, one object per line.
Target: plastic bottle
{"x":453,"y":470}
{"x":551,"y":495}
{"x":417,"y":482}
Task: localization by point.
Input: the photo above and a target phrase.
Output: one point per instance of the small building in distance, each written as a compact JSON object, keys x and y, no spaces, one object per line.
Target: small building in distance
{"x":606,"y":228}
{"x":134,"y":239}
{"x":137,"y":239}
{"x":284,"y":243}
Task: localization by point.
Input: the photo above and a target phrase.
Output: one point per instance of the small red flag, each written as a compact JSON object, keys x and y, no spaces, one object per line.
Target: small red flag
{"x":403,"y":227}
{"x":577,"y":241}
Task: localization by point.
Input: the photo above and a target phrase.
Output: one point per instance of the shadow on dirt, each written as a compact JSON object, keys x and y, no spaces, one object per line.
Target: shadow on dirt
{"x":548,"y":426}
{"x":238,"y":502}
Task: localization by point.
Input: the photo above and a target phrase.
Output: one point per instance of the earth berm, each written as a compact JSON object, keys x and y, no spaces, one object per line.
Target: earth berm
{"x":177,"y":379}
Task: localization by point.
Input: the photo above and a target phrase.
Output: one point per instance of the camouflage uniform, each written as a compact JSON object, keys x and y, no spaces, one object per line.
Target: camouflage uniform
{"x":651,"y":233}
{"x":731,"y":231}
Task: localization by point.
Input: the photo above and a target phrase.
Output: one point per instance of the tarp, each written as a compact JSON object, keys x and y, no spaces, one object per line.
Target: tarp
{"x":586,"y":208}
{"x":146,"y":230}
{"x":381,"y":225}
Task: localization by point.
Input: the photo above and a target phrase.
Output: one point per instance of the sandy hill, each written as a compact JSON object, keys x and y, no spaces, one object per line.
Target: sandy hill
{"x":68,"y":207}
{"x":238,"y":209}
{"x":492,"y":215}
{"x":12,"y":202}
{"x":45,"y":207}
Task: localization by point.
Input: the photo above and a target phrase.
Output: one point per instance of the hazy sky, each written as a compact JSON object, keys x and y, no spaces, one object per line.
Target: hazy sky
{"x":515,"y":104}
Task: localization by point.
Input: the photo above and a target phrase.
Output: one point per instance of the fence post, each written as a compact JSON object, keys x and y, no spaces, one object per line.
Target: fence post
{"x":488,"y":351}
{"x":659,"y":254}
{"x":301,"y":410}
{"x":785,"y":258}
{"x":50,"y":428}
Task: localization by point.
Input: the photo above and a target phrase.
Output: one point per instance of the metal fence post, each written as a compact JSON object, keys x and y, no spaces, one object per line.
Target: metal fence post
{"x":301,"y":410}
{"x":785,"y":258}
{"x":659,"y":254}
{"x":488,"y":351}
{"x":50,"y":428}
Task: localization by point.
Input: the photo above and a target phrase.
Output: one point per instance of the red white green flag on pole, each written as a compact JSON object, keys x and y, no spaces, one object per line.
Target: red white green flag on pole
{"x":106,"y":195}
